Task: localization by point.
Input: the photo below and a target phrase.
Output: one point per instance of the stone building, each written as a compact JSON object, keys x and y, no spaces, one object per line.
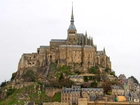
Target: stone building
{"x":77,"y":78}
{"x":117,"y":90}
{"x":71,"y":95}
{"x":77,"y":49}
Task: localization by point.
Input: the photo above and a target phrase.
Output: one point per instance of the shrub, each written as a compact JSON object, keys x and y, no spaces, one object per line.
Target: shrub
{"x":94,"y":70}
{"x":10,"y":91}
{"x":13,"y":75}
{"x":57,"y":97}
{"x":29,"y":76}
{"x":85,"y":78}
{"x":94,"y":84}
{"x":3,"y":84}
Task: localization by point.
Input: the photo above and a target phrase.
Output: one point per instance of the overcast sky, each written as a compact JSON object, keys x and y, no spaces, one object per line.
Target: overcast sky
{"x":113,"y":24}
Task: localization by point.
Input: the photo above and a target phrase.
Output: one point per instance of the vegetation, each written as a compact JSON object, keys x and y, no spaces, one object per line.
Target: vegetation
{"x":61,"y":83}
{"x":94,"y":84}
{"x":21,"y":96}
{"x":29,"y":76}
{"x":135,"y":80}
{"x":86,"y":85}
{"x":94,"y":70}
{"x":106,"y":86}
{"x":3,"y":84}
{"x":13,"y":75}
{"x":107,"y":70}
{"x":86,"y":78}
{"x":10,"y":91}
{"x":62,"y":70}
{"x":57,"y":97}
{"x":112,"y":73}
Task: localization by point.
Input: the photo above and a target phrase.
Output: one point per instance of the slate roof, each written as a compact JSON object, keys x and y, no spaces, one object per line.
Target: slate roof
{"x":92,"y":89}
{"x":100,"y":52}
{"x":70,"y":90}
{"x":44,"y":46}
{"x":80,"y":34}
{"x":116,"y":87}
{"x":76,"y":46}
{"x":72,"y":27}
{"x":58,"y":40}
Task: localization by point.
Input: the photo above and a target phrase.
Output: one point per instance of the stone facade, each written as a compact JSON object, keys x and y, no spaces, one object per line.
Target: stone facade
{"x":71,"y":95}
{"x":117,"y":90}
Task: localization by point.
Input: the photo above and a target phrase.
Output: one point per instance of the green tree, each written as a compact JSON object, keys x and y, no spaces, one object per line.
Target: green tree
{"x":3,"y":84}
{"x":112,"y":73}
{"x":13,"y":75}
{"x":94,"y":70}
{"x":135,"y":80}
{"x":85,"y":78}
{"x":107,"y":70}
{"x":10,"y":91}
{"x":94,"y":84}
{"x":61,"y":76}
{"x":29,"y":76}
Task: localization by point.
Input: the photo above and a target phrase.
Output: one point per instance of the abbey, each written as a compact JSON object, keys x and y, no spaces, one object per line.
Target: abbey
{"x":77,"y":49}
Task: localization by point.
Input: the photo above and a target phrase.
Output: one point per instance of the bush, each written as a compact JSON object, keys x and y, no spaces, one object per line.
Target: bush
{"x":85,"y":79}
{"x":112,"y":73}
{"x":94,"y":70}
{"x":29,"y":76}
{"x":10,"y":91}
{"x":61,"y":83}
{"x":13,"y":75}
{"x":57,"y":97}
{"x":3,"y":84}
{"x":86,"y":85}
{"x":94,"y":84}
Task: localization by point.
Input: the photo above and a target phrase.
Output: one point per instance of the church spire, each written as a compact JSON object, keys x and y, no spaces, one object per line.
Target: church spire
{"x":72,"y":16}
{"x":72,"y":26}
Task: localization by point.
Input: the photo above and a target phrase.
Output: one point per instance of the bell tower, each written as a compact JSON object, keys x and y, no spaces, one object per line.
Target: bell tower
{"x":71,"y":32}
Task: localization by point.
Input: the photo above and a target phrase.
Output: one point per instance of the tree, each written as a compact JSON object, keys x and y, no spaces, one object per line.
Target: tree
{"x":107,"y":70}
{"x":13,"y":75}
{"x":3,"y":84}
{"x":94,"y":70}
{"x":135,"y":80}
{"x":85,"y":78}
{"x":86,"y":85}
{"x":94,"y":84}
{"x":61,"y":76}
{"x":106,"y":86}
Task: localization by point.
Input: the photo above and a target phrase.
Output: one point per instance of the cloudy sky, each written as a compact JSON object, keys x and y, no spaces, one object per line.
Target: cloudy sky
{"x":113,"y":24}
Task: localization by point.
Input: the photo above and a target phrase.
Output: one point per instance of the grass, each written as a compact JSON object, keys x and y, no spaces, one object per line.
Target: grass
{"x":57,"y":97}
{"x":20,"y":96}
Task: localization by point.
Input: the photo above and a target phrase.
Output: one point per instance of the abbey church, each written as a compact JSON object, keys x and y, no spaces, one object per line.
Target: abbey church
{"x":77,"y":49}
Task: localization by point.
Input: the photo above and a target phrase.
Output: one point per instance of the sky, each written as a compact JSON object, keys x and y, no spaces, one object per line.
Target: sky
{"x":25,"y":25}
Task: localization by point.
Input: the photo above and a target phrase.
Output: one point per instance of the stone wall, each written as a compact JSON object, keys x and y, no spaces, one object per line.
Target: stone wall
{"x":21,"y":85}
{"x":51,"y":91}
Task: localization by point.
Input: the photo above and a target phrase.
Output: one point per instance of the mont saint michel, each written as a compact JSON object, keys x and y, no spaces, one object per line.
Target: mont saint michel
{"x":70,"y":71}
